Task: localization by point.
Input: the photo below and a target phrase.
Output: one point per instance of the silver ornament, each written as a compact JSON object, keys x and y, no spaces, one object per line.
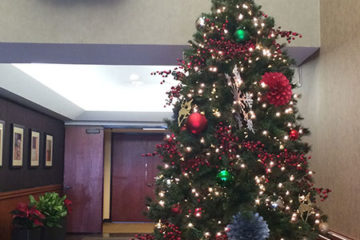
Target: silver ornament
{"x":200,"y":23}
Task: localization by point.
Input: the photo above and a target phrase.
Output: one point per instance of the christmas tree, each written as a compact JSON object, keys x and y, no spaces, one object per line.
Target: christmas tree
{"x":235,"y":166}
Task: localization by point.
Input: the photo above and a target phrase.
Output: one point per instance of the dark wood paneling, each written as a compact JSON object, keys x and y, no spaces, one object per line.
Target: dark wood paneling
{"x":83,"y":177}
{"x":20,"y":178}
{"x":9,"y":201}
{"x":132,"y":174}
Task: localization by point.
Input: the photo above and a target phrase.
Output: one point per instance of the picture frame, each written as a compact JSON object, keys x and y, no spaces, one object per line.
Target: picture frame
{"x":49,"y":150}
{"x":17,"y":146}
{"x":34,"y":148}
{"x":2,"y":130}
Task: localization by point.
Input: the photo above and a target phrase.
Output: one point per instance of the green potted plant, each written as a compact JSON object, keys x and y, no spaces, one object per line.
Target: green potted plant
{"x":55,"y":209}
{"x":27,"y":222}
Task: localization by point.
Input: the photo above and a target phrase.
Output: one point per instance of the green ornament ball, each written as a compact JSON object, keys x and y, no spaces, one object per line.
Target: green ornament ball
{"x":241,"y":35}
{"x":223,"y":177}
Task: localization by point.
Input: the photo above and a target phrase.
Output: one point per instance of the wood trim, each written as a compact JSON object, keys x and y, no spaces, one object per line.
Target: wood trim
{"x":30,"y":191}
{"x":338,"y":236}
{"x":331,"y":235}
{"x":322,"y":237}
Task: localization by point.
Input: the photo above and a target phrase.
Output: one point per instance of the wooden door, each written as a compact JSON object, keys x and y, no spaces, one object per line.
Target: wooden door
{"x":83,"y":179}
{"x":132,"y":175}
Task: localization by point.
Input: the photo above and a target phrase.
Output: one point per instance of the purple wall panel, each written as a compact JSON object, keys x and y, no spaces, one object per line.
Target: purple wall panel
{"x":108,"y":54}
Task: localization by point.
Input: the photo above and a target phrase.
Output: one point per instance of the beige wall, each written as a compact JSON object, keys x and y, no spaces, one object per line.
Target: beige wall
{"x":133,"y":22}
{"x":331,"y":107}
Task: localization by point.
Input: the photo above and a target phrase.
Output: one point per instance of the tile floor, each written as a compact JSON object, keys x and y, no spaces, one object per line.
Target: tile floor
{"x":112,"y":236}
{"x":115,"y":231}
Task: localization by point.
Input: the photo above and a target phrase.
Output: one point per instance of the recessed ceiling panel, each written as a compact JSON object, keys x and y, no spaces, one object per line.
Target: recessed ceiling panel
{"x":105,"y":87}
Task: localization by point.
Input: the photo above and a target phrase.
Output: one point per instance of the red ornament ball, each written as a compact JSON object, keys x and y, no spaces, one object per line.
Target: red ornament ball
{"x":176,"y":208}
{"x":294,"y":134}
{"x":196,"y":123}
{"x":279,"y":92}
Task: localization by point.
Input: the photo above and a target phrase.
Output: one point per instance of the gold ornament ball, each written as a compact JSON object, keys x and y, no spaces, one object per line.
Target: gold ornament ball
{"x":324,"y":227}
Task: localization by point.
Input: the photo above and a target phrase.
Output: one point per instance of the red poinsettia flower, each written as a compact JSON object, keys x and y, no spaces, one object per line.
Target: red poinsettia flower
{"x":37,"y":213}
{"x":22,"y":210}
{"x":38,"y":223}
{"x":68,"y":204}
{"x":27,"y":216}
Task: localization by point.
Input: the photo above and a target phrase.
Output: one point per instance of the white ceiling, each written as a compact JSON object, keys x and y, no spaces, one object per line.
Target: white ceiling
{"x":104,"y":87}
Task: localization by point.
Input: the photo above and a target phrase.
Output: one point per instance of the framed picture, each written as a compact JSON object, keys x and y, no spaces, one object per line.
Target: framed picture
{"x":34,"y":148}
{"x":2,"y":128}
{"x":17,"y":146}
{"x":49,"y":149}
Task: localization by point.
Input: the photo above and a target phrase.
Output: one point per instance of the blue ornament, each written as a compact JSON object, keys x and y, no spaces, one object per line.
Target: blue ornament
{"x":244,"y":228}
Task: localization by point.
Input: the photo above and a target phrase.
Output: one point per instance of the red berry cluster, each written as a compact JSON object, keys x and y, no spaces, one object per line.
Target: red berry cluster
{"x":143,"y":237}
{"x":197,"y":212}
{"x":198,"y":60}
{"x":178,"y":75}
{"x":289,"y":35}
{"x":169,"y":150}
{"x":269,"y":160}
{"x":323,"y":193}
{"x":173,"y":93}
{"x":227,"y":141}
{"x":227,"y":49}
{"x":222,"y":236}
{"x":164,"y":74}
{"x":219,"y":30}
{"x":170,"y":232}
{"x":194,"y":164}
